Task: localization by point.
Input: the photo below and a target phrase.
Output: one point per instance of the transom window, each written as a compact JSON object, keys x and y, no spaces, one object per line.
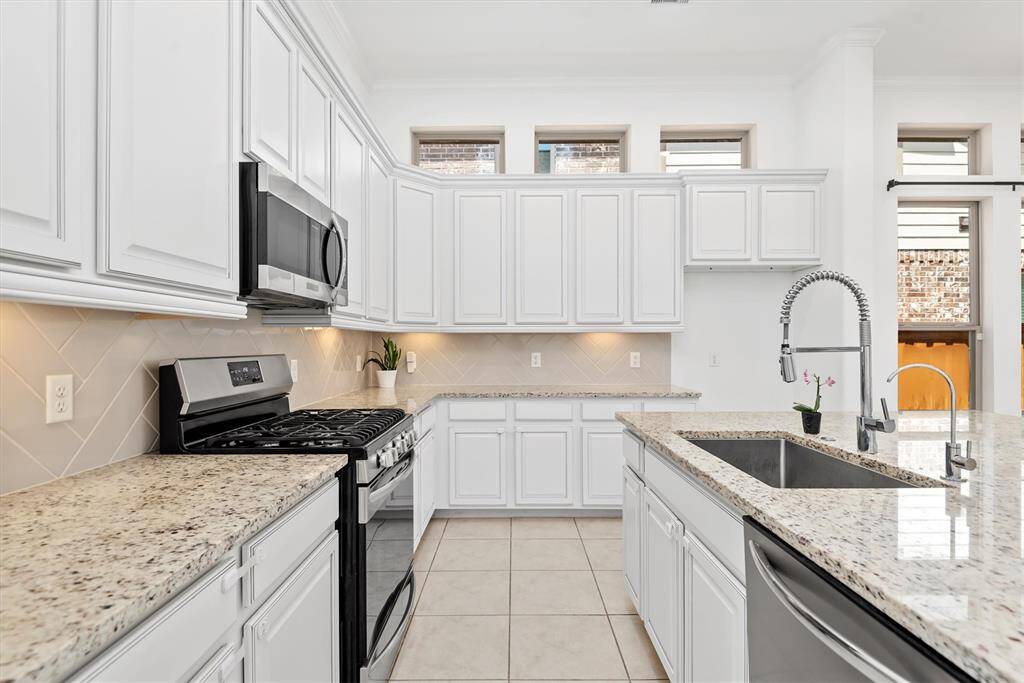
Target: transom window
{"x":583,"y":152}
{"x":459,"y":154}
{"x":936,"y":153}
{"x":704,"y":150}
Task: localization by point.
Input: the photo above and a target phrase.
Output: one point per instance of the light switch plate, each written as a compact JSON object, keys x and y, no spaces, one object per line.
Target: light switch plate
{"x":60,"y":398}
{"x":293,"y":367}
{"x":634,"y":359}
{"x":534,"y":360}
{"x":712,"y":360}
{"x":410,"y":362}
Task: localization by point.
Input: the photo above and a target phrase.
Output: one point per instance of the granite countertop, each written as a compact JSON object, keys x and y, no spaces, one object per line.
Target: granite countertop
{"x":414,"y":398}
{"x":85,"y":558}
{"x":945,"y":562}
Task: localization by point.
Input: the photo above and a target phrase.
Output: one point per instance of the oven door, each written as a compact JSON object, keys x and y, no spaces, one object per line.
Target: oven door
{"x":386,"y":510}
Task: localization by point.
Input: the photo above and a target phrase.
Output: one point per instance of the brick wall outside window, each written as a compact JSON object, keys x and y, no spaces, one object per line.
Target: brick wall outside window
{"x":933,"y":286}
{"x":459,"y":158}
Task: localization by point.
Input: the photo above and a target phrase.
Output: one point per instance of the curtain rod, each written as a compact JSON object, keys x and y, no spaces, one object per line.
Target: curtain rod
{"x":894,"y":183}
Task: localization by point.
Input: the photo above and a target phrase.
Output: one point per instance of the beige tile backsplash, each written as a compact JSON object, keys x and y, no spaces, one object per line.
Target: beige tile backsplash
{"x":113,"y":357}
{"x":586,"y":358}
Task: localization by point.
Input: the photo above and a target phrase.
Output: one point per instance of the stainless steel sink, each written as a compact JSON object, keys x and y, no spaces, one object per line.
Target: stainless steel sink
{"x":784,"y":464}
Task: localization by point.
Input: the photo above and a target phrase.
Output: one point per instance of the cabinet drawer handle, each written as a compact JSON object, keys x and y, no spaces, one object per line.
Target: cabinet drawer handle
{"x":230,"y":664}
{"x":229,"y":580}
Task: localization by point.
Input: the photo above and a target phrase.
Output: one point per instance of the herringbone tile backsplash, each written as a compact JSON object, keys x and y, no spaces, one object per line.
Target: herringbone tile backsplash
{"x":114,"y":356}
{"x":586,"y":358}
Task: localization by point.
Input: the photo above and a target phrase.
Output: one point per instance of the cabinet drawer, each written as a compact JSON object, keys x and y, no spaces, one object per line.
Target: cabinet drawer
{"x":633,"y":452}
{"x":718,"y":528}
{"x":544,"y":410}
{"x":658,"y":405}
{"x":168,"y":644}
{"x":591,"y":411}
{"x":283,"y":544}
{"x":477,"y":410}
{"x":424,"y":422}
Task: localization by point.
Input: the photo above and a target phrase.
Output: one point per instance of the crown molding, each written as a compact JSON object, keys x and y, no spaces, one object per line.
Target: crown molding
{"x":689,"y":83}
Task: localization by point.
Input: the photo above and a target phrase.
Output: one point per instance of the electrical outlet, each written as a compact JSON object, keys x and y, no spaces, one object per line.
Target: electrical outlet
{"x":634,"y":359}
{"x":712,"y":360}
{"x":534,"y":360}
{"x":60,"y":398}
{"x":293,"y":367}
{"x":359,"y":362}
{"x":410,"y":362}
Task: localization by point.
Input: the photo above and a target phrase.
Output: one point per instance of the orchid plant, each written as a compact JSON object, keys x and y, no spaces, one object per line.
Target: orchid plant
{"x":818,"y":382}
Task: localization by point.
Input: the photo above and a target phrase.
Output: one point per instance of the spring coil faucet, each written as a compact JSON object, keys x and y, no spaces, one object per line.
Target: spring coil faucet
{"x":867,"y":425}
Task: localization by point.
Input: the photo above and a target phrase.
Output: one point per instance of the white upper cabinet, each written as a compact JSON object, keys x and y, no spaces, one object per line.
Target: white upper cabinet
{"x":378,"y":243}
{"x":314,"y":132}
{"x":41,"y":202}
{"x":416,"y":285}
{"x":271,"y":75}
{"x":721,"y":223}
{"x":773,"y":221}
{"x":657,"y":272}
{"x":542,"y":259}
{"x":480,"y":255}
{"x":168,"y":179}
{"x":348,"y":176}
{"x":790,"y":223}
{"x":600,"y":262}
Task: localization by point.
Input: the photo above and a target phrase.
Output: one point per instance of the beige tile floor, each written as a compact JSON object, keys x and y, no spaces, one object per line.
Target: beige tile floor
{"x":531,"y":599}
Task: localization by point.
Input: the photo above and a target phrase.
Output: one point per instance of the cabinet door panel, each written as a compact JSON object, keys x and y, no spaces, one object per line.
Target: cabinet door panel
{"x":715,"y":620}
{"x":599,"y":257}
{"x":632,"y":536}
{"x":663,"y":581}
{"x":602,"y":466}
{"x":37,"y":132}
{"x":271,"y":88}
{"x":544,"y":465}
{"x":378,"y":261}
{"x":295,"y":635}
{"x":480,"y":273}
{"x":790,"y":223}
{"x":428,"y":474}
{"x":476,"y":462}
{"x":314,"y":132}
{"x":721,"y":225}
{"x":416,"y":299}
{"x":542,"y":265}
{"x":168,"y":179}
{"x":657,"y":275}
{"x":348,"y":177}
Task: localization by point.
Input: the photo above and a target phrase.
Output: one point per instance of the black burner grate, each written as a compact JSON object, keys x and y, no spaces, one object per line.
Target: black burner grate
{"x":310,"y":429}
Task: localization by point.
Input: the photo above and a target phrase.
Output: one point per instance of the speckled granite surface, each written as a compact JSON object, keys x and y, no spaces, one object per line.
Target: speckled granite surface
{"x":85,"y":558}
{"x":944,"y":562}
{"x":414,"y":398}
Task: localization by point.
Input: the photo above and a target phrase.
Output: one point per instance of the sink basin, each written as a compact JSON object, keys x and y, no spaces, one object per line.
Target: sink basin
{"x":784,"y":464}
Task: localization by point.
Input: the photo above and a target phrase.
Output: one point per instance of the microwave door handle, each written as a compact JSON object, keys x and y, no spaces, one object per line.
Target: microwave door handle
{"x":332,"y":229}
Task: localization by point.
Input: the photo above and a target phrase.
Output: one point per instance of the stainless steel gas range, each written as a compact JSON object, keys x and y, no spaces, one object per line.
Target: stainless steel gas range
{"x":240,"y":404}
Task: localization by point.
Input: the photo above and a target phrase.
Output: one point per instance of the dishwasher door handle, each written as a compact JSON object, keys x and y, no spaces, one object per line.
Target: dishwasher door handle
{"x":842,"y":646}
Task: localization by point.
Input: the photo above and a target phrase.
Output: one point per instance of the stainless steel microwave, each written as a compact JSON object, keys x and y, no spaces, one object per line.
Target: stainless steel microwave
{"x":294,"y":248}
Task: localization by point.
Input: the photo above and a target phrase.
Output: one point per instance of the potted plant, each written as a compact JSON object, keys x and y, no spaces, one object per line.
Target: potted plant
{"x":811,"y":416}
{"x":386,"y":362}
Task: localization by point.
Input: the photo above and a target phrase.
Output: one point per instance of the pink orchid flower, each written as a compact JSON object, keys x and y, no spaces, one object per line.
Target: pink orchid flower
{"x":829,"y":382}
{"x":807,"y":378}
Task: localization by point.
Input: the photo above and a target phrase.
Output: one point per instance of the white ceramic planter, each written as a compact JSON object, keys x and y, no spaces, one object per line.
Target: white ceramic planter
{"x":386,"y":378}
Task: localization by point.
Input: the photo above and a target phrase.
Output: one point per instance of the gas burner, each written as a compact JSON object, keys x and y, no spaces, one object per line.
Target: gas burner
{"x":309,"y":429}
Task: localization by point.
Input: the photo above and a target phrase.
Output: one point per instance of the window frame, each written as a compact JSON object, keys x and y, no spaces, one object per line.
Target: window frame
{"x":461,"y":136}
{"x":609,"y":135}
{"x":973,"y":326}
{"x":669,"y":134}
{"x":940,"y":135}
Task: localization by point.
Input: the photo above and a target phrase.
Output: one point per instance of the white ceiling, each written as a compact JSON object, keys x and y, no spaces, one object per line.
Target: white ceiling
{"x":401,"y":40}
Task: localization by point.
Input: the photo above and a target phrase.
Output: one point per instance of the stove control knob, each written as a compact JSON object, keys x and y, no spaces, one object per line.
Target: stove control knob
{"x":387,"y":457}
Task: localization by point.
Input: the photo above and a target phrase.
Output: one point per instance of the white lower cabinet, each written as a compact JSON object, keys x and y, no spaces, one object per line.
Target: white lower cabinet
{"x":476,"y":462}
{"x":632,"y":530}
{"x":715,"y":628}
{"x":295,"y":635}
{"x":425,"y":474}
{"x":544,"y":465}
{"x":601,"y":454}
{"x":662,"y":557}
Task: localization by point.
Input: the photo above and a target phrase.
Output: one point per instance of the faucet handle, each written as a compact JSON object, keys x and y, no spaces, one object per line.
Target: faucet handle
{"x":964,"y":462}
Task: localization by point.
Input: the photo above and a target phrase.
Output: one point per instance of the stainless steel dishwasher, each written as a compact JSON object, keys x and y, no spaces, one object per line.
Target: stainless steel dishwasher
{"x":803,"y":625}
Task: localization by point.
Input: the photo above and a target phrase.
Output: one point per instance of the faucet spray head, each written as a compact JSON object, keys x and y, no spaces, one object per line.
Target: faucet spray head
{"x":786,"y":366}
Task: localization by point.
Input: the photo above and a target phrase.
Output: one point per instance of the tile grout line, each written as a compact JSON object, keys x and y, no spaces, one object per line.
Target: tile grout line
{"x":607,"y":617}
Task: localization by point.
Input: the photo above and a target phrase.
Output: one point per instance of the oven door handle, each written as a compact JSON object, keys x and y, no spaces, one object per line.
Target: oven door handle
{"x":385,"y":652}
{"x":370,"y":502}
